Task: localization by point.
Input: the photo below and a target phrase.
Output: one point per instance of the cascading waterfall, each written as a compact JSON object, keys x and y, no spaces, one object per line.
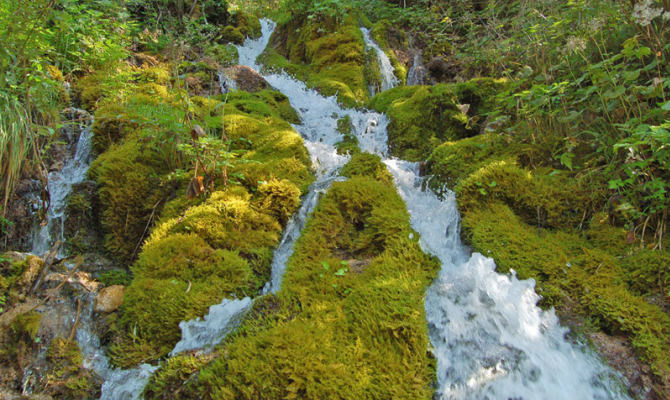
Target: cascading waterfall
{"x":417,"y":72}
{"x":389,"y":79}
{"x":489,"y":337}
{"x":60,"y":186}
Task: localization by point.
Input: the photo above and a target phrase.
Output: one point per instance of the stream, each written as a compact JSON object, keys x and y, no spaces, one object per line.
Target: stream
{"x":490,"y":339}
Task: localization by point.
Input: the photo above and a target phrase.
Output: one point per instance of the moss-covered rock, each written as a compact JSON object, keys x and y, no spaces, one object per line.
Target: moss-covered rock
{"x":422,"y":118}
{"x":349,"y":320}
{"x":66,"y":377}
{"x":331,"y":59}
{"x":206,"y":248}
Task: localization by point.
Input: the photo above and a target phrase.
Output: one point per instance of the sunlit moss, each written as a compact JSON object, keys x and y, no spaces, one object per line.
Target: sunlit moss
{"x":349,"y":321}
{"x":332,"y":61}
{"x":422,"y":118}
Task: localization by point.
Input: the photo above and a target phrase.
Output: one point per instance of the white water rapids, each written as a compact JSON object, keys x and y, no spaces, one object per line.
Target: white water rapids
{"x":490,"y":339}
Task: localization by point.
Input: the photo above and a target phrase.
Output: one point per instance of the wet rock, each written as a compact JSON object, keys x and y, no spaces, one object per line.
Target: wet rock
{"x":617,"y":350}
{"x":441,"y":70}
{"x":246,"y":78}
{"x":109,"y":299}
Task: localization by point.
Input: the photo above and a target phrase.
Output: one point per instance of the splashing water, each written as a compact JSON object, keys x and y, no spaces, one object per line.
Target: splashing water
{"x":389,"y":79}
{"x":60,"y":186}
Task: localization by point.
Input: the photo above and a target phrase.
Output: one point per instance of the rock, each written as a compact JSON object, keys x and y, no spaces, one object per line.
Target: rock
{"x":35,"y":265}
{"x":246,"y":78}
{"x":109,"y":299}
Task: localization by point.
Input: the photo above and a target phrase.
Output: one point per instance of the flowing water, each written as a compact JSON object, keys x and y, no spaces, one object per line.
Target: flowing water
{"x":60,"y":185}
{"x":389,"y":79}
{"x":417,"y":72}
{"x":490,"y":339}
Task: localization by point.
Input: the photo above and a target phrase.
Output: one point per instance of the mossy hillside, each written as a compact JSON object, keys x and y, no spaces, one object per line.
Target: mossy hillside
{"x":349,"y":321}
{"x":327,"y":55}
{"x":422,"y":118}
{"x":576,"y":277}
{"x":204,"y":250}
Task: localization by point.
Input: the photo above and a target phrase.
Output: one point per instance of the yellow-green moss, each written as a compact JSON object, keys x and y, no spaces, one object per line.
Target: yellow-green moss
{"x":66,"y":378}
{"x":349,"y":321}
{"x":422,"y":118}
{"x":330,"y":60}
{"x":202,"y":250}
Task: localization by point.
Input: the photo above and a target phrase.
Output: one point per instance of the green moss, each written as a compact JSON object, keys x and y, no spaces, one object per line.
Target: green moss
{"x":115,"y":277}
{"x":25,"y":326}
{"x":204,"y":250}
{"x":573,"y":276}
{"x":225,"y":54}
{"x":422,"y":117}
{"x":171,"y":376}
{"x":366,"y":164}
{"x":330,"y":60}
{"x":130,"y":194}
{"x":66,"y":378}
{"x":452,"y":161}
{"x":349,"y":142}
{"x":349,"y":320}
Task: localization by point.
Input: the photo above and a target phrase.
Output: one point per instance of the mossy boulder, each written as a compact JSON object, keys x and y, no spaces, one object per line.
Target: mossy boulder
{"x":422,"y":118}
{"x":331,"y":60}
{"x":66,"y":377}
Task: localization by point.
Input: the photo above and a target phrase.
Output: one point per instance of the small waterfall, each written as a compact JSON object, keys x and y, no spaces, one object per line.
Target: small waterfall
{"x":417,"y":72}
{"x":389,"y":79}
{"x":60,"y":185}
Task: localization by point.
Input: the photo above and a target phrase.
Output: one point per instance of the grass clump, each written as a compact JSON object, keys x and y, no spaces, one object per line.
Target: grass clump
{"x":349,"y":320}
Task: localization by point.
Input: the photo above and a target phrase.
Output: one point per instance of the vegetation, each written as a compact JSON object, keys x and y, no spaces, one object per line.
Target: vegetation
{"x":549,"y":120}
{"x":349,"y":320}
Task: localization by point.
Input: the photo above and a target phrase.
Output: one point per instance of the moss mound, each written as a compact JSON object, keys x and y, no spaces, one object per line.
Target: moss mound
{"x":422,"y":117}
{"x":329,"y":56}
{"x":203,"y":249}
{"x":349,"y":320}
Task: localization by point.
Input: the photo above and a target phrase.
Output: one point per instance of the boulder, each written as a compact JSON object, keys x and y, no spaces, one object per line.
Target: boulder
{"x":109,"y":299}
{"x":244,"y":78}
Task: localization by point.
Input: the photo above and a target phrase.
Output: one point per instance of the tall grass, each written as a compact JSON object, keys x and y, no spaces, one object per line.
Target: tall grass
{"x":16,"y":143}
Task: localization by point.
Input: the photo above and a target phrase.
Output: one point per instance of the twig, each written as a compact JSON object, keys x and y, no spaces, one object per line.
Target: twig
{"x":146,"y":228}
{"x":48,"y":261}
{"x":67,"y":279}
{"x":76,"y":322}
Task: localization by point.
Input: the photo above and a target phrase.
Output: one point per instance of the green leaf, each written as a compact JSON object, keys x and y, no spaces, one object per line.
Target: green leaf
{"x":665,"y":106}
{"x":325,"y":265}
{"x":341,"y":272}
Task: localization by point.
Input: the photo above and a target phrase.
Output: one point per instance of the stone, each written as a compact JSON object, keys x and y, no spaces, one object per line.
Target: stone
{"x":109,"y":299}
{"x":245,"y":78}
